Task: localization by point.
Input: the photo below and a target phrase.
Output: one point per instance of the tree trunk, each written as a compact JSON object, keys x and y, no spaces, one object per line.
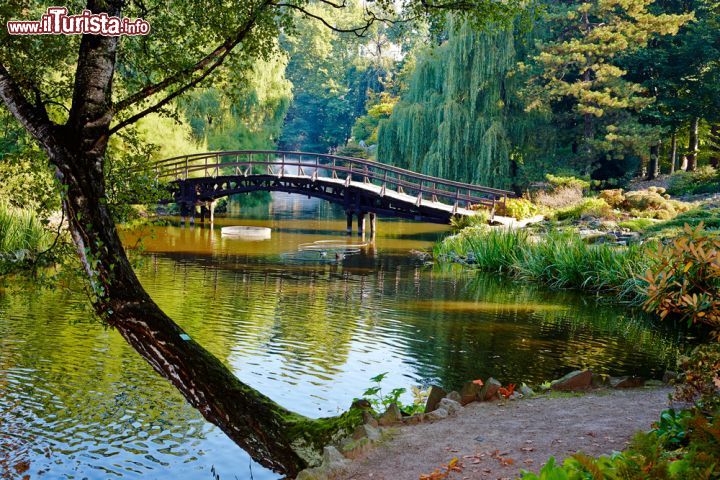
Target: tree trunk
{"x":693,"y":145}
{"x":673,"y":152}
{"x":273,"y":436}
{"x":654,"y":166}
{"x":715,"y":145}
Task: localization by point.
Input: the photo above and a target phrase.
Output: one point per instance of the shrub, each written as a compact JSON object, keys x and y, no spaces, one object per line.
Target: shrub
{"x":562,"y":197}
{"x":589,"y":208}
{"x":638,"y":224}
{"x":480,"y":218}
{"x":652,"y":204}
{"x":701,"y":377}
{"x":709,"y":217}
{"x":574,"y":183}
{"x":518,"y":208}
{"x":705,"y":179}
{"x":685,"y":279}
{"x":614,"y":197}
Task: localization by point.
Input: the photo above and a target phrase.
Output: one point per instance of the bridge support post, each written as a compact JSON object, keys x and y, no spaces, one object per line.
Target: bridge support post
{"x":361,"y":223}
{"x":373,"y":225}
{"x":203,"y":212}
{"x":349,"y":218}
{"x":212,"y":212}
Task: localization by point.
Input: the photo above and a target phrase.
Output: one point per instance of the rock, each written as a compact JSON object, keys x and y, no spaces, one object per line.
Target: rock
{"x":361,"y":404}
{"x":599,"y":380}
{"x":333,"y":462}
{"x":414,"y":419}
{"x":366,"y":431}
{"x":451,"y":406}
{"x":577,"y":380}
{"x":626,"y":382}
{"x":469,"y":392}
{"x":392,"y":415}
{"x":670,"y":377}
{"x":353,"y":449}
{"x":454,"y":396}
{"x":437,"y":414}
{"x":526,"y":391}
{"x":489,"y":390}
{"x":369,"y":419}
{"x":434,"y":396}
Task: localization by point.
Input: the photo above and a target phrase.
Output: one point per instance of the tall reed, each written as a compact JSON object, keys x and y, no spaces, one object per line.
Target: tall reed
{"x":21,"y":230}
{"x":561,"y":260}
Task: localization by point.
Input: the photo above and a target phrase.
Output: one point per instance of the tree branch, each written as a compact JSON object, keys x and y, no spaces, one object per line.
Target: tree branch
{"x":220,"y":52}
{"x":33,"y":117}
{"x":359,"y":31}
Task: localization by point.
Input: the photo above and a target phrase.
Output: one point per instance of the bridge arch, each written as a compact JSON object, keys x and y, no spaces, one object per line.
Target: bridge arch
{"x":360,"y":186}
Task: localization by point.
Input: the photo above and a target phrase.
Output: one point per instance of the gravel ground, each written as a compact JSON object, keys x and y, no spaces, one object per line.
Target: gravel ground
{"x":497,"y":440}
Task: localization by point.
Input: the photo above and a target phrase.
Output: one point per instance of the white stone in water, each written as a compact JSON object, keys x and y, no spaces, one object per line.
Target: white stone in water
{"x":246,"y":232}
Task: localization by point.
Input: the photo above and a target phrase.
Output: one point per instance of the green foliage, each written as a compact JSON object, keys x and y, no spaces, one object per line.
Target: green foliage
{"x":560,"y":260}
{"x":671,"y":429}
{"x":705,"y":179}
{"x":576,"y":76}
{"x":710,"y":217}
{"x":519,"y":208}
{"x":558,"y":181}
{"x":381,"y":401}
{"x":452,"y":121}
{"x":588,"y":208}
{"x":22,"y":237}
{"x":637,"y":224}
{"x":480,"y":218}
{"x":701,"y":377}
{"x":684,"y":280}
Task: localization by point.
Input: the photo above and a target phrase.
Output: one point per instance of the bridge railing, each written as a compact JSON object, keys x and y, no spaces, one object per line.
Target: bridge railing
{"x":346,"y":169}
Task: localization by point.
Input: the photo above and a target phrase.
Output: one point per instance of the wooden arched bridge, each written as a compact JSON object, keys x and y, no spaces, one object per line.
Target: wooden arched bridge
{"x":363,"y":187}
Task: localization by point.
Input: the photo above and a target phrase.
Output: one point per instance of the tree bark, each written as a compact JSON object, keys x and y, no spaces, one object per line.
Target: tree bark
{"x":273,"y":436}
{"x":715,"y":145}
{"x":654,"y":166}
{"x":693,"y":145}
{"x":673,"y":152}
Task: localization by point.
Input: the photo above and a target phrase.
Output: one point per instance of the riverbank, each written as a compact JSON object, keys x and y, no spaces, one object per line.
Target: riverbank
{"x":498,"y":439}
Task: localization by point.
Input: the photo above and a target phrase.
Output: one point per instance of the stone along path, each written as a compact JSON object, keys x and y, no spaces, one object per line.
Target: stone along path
{"x":495,"y":440}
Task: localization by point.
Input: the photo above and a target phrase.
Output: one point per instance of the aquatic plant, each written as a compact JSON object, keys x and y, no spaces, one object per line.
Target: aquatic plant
{"x":21,"y":230}
{"x":558,"y":259}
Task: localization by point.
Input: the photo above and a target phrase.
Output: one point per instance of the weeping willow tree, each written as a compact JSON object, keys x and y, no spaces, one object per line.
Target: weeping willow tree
{"x":460,"y":117}
{"x":246,"y":112}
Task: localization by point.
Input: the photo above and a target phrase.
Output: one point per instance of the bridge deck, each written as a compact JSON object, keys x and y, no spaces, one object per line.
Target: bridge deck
{"x":360,"y":185}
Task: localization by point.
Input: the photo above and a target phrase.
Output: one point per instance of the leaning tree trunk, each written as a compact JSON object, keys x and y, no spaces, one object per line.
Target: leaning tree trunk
{"x":273,"y":436}
{"x":715,"y":145}
{"x":693,"y":145}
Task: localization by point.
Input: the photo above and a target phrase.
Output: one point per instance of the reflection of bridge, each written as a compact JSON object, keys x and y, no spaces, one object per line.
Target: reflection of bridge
{"x":360,"y":186}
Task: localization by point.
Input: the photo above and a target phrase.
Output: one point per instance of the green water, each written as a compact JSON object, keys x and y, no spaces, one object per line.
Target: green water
{"x":303,"y":327}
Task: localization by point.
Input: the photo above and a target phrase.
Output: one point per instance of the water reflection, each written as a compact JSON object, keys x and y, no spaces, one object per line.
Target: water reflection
{"x":77,"y":402}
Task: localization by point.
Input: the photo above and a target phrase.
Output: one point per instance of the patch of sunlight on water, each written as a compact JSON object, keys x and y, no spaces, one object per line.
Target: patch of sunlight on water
{"x":77,"y":402}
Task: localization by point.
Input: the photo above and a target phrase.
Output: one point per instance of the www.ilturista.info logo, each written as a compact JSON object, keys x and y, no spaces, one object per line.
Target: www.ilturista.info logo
{"x":57,"y":22}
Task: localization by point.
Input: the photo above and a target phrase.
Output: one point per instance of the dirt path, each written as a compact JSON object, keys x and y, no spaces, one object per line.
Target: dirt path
{"x":496,"y":440}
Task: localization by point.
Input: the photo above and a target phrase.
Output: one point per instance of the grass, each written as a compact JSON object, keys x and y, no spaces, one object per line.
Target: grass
{"x":21,"y":232}
{"x":709,"y":216}
{"x":560,"y":260}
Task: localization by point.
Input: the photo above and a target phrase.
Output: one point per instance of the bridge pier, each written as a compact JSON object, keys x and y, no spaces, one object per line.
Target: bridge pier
{"x":373,"y":220}
{"x":349,"y":219}
{"x":361,"y":223}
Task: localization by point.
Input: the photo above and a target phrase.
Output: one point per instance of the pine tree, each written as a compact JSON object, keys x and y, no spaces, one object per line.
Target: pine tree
{"x":577,"y":73}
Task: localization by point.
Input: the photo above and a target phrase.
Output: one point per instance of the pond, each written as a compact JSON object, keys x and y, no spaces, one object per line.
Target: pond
{"x":294,"y":320}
